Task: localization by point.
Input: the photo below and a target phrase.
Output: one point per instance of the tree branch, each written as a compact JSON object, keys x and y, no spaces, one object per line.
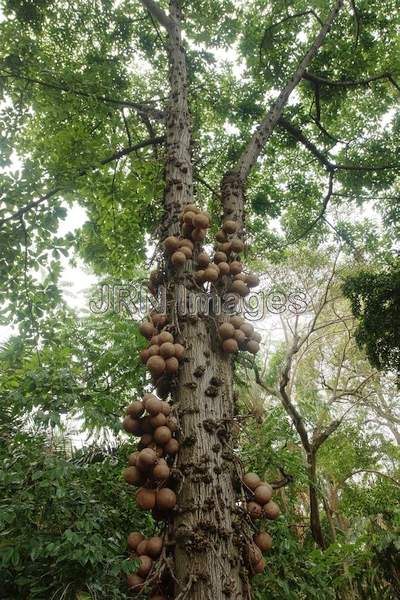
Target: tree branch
{"x":104,"y":161}
{"x":155,"y":9}
{"x":267,"y":126}
{"x":349,"y":82}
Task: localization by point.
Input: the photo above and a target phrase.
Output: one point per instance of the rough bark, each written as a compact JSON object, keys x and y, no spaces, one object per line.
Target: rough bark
{"x":315,"y":519}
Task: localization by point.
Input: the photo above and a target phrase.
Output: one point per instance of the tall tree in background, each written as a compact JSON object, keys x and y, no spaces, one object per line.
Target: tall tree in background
{"x":335,"y":59}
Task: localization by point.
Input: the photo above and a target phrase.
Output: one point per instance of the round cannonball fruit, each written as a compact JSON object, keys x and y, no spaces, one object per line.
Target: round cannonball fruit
{"x":247,"y":329}
{"x":153,"y":350}
{"x":144,"y":356}
{"x":132,"y":459}
{"x":178,"y":259}
{"x":141,"y":549}
{"x":252,"y":346}
{"x":134,"y":539}
{"x":260,"y":566}
{"x":255,"y":554}
{"x":252,"y":481}
{"x":186,"y":242}
{"x":155,"y":341}
{"x":230,"y":226}
{"x":172,"y":424}
{"x":133,"y":476}
{"x":167,"y":350}
{"x":165,"y":336}
{"x":240,"y":288}
{"x":145,"y":564}
{"x":135,"y":583}
{"x":153,"y":405}
{"x":220,"y":236}
{"x":166,"y":499}
{"x":186,"y":251}
{"x":224,"y":268}
{"x":191,"y":207}
{"x":172,"y":365}
{"x":135,"y":409}
{"x":230,"y":346}
{"x":203,"y":259}
{"x":252,"y":280}
{"x":165,"y":408}
{"x":162,"y":435}
{"x":239,"y":336}
{"x":187,"y":217}
{"x":271,"y":510}
{"x":263,"y":493}
{"x":161,"y":471}
{"x":158,"y":420}
{"x":264,"y":541}
{"x":226,"y":247}
{"x":171,"y":243}
{"x":154,"y":546}
{"x":198,"y":235}
{"x":237,"y":245}
{"x":172,"y":447}
{"x":146,"y":499}
{"x":156,"y":365}
{"x":254,"y":510}
{"x":147,"y":459}
{"x":146,"y":440}
{"x":220,"y":257}
{"x":226,"y":330}
{"x":210,"y":274}
{"x":187,"y":229}
{"x":179,"y":351}
{"x":236,"y":267}
{"x":237,"y":321}
{"x":199,"y":276}
{"x":201,"y":221}
{"x":132,"y":425}
{"x":147,"y":329}
{"x":158,"y":319}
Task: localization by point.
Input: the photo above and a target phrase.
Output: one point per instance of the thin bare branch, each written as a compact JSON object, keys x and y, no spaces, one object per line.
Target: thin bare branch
{"x":158,"y":13}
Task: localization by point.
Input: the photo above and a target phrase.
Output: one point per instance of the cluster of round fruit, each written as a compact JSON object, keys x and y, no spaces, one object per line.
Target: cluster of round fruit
{"x":162,"y":355}
{"x":147,"y":551}
{"x":236,"y":334}
{"x":212,"y":271}
{"x":259,"y":496}
{"x":148,"y":467}
{"x":262,"y":542}
{"x":195,"y":223}
{"x":180,"y":250}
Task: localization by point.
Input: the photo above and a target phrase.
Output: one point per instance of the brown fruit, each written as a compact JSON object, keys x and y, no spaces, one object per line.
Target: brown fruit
{"x":220,"y":236}
{"x":171,"y":243}
{"x":199,"y":276}
{"x":165,"y":408}
{"x":240,"y":288}
{"x":226,"y":330}
{"x":132,"y":425}
{"x":271,"y":510}
{"x":251,"y":480}
{"x":158,"y":319}
{"x":254,"y":510}
{"x":198,"y":235}
{"x":135,"y":583}
{"x":187,"y":217}
{"x":144,"y":356}
{"x":252,"y":346}
{"x":240,"y":277}
{"x":134,"y":539}
{"x":142,"y":548}
{"x":132,"y":459}
{"x":146,"y":499}
{"x":226,"y":247}
{"x":224,"y":268}
{"x":145,"y":564}
{"x":237,"y":245}
{"x":263,"y":493}
{"x":147,"y":329}
{"x":230,"y":226}
{"x":162,"y":435}
{"x":210,"y":274}
{"x":191,"y":207}
{"x":247,"y":329}
{"x":172,"y":365}
{"x":237,"y":321}
{"x":133,"y":476}
{"x":147,"y":459}
{"x":187,"y":243}
{"x":252,"y":280}
{"x":230,"y":346}
{"x":158,"y":420}
{"x":153,"y":350}
{"x":153,"y":406}
{"x":187,"y":252}
{"x":167,"y":350}
{"x":161,"y":471}
{"x":178,"y":259}
{"x":172,"y":424}
{"x":201,"y":221}
{"x":154,"y":546}
{"x":203,"y":259}
{"x":156,"y":365}
{"x":159,"y":451}
{"x":220,"y":257}
{"x":172,"y":447}
{"x":146,"y":425}
{"x":146,"y":440}
{"x":155,"y":341}
{"x":165,"y":336}
{"x":166,"y":499}
{"x":255,"y":554}
{"x":236,"y":267}
{"x":260,"y":566}
{"x":179,"y":351}
{"x":135,"y":409}
{"x":264,"y":541}
{"x":239,"y":336}
{"x":187,"y":229}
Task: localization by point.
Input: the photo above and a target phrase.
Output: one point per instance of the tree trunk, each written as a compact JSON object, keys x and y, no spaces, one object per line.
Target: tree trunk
{"x":315,"y":519}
